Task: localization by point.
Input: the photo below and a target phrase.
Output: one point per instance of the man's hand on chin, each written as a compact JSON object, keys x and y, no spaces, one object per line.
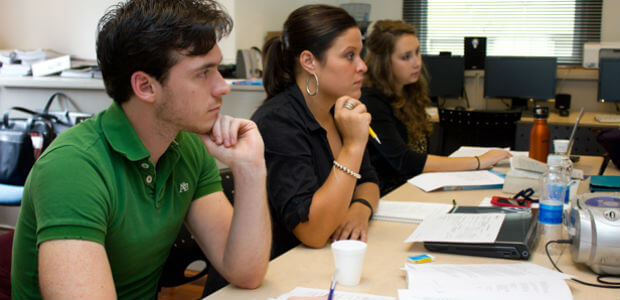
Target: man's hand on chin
{"x":235,"y":142}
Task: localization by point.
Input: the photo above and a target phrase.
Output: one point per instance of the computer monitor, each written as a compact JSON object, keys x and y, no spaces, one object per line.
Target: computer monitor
{"x":520,"y":78}
{"x":609,"y":79}
{"x":446,"y":75}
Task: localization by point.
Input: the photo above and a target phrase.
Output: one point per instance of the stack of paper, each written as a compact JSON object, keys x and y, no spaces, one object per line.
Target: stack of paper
{"x":484,"y":281}
{"x":36,"y":62}
{"x":82,"y":72}
{"x":483,"y":179}
{"x":525,"y":173}
{"x":469,"y":151}
{"x":409,"y":212}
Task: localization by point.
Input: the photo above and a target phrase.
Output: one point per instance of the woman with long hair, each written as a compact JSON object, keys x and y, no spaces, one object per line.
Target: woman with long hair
{"x":320,"y":181}
{"x":395,"y":93}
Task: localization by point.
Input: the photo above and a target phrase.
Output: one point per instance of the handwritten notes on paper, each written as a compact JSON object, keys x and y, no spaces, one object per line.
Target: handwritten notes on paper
{"x":459,"y":228}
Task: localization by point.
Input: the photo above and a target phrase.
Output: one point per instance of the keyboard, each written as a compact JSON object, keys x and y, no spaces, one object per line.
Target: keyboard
{"x":607,"y":118}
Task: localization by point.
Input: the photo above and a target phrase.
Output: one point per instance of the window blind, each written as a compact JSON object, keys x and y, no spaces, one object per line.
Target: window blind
{"x":512,"y":27}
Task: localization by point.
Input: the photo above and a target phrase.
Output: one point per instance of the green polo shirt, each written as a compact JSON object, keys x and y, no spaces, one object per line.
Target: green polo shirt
{"x":95,"y":183}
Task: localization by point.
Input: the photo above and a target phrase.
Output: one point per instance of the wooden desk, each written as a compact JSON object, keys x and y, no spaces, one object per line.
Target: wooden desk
{"x":387,"y":253}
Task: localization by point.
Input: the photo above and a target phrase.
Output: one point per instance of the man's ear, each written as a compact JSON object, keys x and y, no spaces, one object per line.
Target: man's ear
{"x":144,"y":86}
{"x":308,"y":61}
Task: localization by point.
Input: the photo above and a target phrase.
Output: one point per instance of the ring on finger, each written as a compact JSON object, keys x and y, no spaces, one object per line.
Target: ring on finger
{"x":349,"y":105}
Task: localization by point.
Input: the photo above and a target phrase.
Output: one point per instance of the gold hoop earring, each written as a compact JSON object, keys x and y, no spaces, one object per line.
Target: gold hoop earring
{"x":316,"y":79}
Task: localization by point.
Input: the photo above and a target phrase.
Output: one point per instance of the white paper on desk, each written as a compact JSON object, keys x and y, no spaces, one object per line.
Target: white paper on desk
{"x":469,"y":151}
{"x":478,"y":272}
{"x":408,"y":211}
{"x":546,"y":289}
{"x":434,"y":180}
{"x":459,"y":228}
{"x":486,"y":281}
{"x":338,"y":295}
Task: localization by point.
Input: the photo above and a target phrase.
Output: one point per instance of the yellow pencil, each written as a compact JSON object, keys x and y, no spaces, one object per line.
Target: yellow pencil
{"x":373,"y":134}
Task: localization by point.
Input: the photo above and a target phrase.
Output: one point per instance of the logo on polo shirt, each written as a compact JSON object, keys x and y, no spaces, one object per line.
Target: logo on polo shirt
{"x":183,"y":187}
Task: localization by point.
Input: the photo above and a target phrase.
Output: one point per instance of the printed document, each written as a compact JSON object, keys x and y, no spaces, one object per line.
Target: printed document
{"x":338,"y":295}
{"x":469,"y":151}
{"x":484,"y":281}
{"x":408,"y":211}
{"x":459,"y":228}
{"x":435,"y":180}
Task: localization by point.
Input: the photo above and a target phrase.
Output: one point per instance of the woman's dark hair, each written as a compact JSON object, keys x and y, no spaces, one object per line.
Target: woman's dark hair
{"x":311,"y":27}
{"x":409,"y":102}
{"x":149,"y":36}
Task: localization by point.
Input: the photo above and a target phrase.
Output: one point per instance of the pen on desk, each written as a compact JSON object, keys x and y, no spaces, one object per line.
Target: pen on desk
{"x":373,"y":134}
{"x":332,"y":287}
{"x":453,"y":205}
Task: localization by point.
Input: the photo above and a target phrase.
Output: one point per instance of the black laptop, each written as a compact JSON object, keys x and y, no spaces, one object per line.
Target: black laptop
{"x":515,"y":239}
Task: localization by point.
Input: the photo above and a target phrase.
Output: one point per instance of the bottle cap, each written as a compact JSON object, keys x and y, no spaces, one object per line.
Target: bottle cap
{"x":541,"y":112}
{"x":554,"y":160}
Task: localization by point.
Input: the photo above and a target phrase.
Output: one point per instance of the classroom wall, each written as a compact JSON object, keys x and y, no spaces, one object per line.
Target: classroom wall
{"x":69,"y":26}
{"x":66,"y":26}
{"x":610,"y":27}
{"x":251,"y":21}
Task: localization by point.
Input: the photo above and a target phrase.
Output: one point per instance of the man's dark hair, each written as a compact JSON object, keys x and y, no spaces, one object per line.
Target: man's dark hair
{"x":149,"y":35}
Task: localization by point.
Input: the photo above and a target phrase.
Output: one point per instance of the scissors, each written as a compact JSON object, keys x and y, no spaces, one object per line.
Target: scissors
{"x":525,"y":194}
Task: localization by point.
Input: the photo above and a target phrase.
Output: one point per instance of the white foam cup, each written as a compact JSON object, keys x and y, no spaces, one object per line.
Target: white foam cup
{"x":560,"y":146}
{"x":348,"y":261}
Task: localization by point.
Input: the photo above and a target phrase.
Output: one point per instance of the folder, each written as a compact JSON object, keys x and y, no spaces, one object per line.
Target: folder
{"x":605,"y":183}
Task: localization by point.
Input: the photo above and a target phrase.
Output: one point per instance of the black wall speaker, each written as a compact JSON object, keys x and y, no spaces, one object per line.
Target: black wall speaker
{"x":475,"y":52}
{"x":562,"y":104}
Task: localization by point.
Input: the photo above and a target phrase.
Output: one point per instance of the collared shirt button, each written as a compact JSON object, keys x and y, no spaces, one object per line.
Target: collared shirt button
{"x":149,"y":179}
{"x":145,"y":165}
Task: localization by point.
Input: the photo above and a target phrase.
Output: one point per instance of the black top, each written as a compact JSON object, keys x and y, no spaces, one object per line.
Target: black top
{"x":393,"y":159}
{"x":298,"y":159}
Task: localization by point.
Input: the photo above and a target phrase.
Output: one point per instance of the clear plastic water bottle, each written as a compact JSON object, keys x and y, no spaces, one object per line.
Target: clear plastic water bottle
{"x":561,"y":148}
{"x":553,"y":190}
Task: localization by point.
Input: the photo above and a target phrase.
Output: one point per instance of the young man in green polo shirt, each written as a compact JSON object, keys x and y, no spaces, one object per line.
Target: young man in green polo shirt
{"x":104,"y":203}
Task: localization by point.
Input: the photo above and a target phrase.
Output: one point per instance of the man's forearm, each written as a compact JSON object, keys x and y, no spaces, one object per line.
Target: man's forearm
{"x":249,"y":242}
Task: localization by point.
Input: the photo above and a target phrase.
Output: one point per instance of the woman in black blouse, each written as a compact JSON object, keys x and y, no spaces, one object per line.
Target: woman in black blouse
{"x":396,"y":94}
{"x":320,"y":181}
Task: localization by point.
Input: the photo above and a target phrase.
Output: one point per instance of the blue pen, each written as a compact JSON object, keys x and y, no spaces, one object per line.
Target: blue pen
{"x":332,"y":287}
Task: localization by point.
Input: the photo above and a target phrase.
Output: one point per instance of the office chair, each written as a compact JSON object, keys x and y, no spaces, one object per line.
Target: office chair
{"x":477,"y":128}
{"x":10,"y":195}
{"x":215,"y":281}
{"x":6,"y":248}
{"x":186,"y":251}
{"x":610,"y":140}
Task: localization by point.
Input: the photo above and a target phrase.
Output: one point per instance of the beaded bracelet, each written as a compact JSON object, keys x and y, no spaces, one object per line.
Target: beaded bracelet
{"x":347,"y":170}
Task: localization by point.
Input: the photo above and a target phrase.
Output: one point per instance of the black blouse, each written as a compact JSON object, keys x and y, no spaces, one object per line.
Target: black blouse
{"x":393,"y":159}
{"x":298,"y":159}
